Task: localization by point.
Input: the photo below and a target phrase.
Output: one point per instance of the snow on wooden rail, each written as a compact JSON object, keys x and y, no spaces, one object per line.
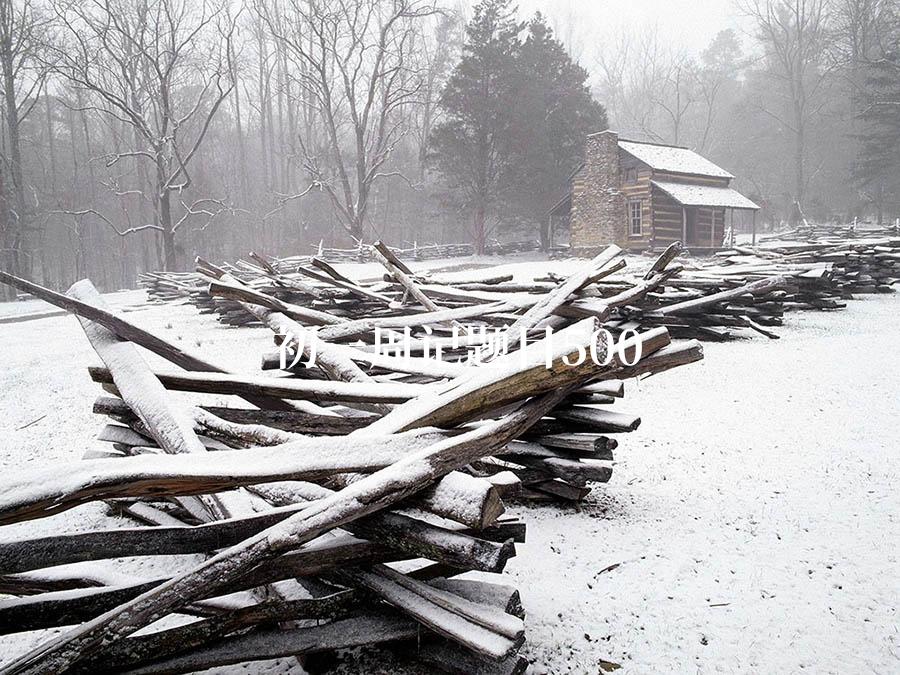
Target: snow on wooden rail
{"x":725,"y":288}
{"x":402,"y":458}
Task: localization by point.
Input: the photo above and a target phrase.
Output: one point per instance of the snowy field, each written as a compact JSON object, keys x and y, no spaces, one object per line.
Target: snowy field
{"x":754,"y":515}
{"x":751,"y":525}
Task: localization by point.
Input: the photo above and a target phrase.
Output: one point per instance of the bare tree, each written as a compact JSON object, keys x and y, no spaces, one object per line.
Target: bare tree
{"x":862,"y":29}
{"x":675,"y":93}
{"x":720,"y":64}
{"x":353,"y":63}
{"x":570,"y":27}
{"x":794,"y":35}
{"x":648,"y":87}
{"x":160,"y":70}
{"x":23,"y":73}
{"x":436,"y":52}
{"x":612,"y":67}
{"x":866,"y":34}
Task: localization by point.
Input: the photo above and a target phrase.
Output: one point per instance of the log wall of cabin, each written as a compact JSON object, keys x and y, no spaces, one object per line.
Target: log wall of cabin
{"x":667,"y":216}
{"x":668,"y":224}
{"x":640,"y":188}
{"x":689,"y":179}
{"x":601,"y":193}
{"x":667,"y":219}
{"x":710,"y":229}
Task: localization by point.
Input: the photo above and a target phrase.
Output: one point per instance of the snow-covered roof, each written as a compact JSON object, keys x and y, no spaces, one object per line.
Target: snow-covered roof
{"x":674,"y":159}
{"x":705,"y":195}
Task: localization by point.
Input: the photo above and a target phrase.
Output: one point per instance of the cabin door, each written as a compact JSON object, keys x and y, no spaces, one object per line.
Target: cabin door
{"x":690,"y":225}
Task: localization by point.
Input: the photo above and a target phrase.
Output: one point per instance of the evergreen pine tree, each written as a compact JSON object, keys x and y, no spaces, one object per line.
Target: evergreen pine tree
{"x":878,"y":168}
{"x":554,"y":113}
{"x":516,"y":113}
{"x":472,"y":145}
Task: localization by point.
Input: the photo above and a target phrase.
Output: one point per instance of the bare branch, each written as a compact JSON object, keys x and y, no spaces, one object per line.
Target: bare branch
{"x":94,"y":212}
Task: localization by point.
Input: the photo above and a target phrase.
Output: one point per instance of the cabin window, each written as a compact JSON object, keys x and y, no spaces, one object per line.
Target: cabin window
{"x":631,"y":175}
{"x":635,"y":210}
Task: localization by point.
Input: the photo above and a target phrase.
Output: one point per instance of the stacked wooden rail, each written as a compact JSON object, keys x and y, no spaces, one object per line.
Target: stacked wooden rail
{"x":175,"y":285}
{"x":301,"y":494}
{"x":722,"y":305}
{"x":815,"y":275}
{"x":557,"y":459}
{"x":363,"y":252}
{"x":711,"y":307}
{"x":821,"y":274}
{"x":853,"y":265}
{"x":810,"y":232}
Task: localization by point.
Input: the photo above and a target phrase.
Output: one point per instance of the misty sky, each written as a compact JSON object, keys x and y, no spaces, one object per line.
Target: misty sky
{"x":691,"y":24}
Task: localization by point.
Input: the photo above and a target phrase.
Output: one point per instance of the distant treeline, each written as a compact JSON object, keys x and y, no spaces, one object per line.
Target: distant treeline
{"x":138,"y":133}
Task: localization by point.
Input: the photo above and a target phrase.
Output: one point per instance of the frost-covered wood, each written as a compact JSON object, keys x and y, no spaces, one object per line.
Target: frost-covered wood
{"x":168,"y":424}
{"x":510,"y":427}
{"x":200,"y":649}
{"x":293,"y":421}
{"x":410,"y":535}
{"x":546,"y":306}
{"x":36,"y":493}
{"x":403,"y":275}
{"x":375,"y":492}
{"x":155,"y":649}
{"x":302,"y":339}
{"x":483,"y":629}
{"x":309,"y":390}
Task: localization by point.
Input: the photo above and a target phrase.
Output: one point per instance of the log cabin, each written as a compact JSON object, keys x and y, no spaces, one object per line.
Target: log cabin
{"x":644,"y":196}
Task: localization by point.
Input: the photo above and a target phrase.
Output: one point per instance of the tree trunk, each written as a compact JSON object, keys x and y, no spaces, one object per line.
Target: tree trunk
{"x":356,"y":227}
{"x":799,"y":156}
{"x":478,"y":224}
{"x":879,"y":203}
{"x":544,"y":231}
{"x":6,"y":292}
{"x":15,"y":222}
{"x":168,"y":234}
{"x":239,"y":130}
{"x":45,"y":273}
{"x":73,"y":234}
{"x":164,"y":216}
{"x":88,"y":239}
{"x":262,"y":94}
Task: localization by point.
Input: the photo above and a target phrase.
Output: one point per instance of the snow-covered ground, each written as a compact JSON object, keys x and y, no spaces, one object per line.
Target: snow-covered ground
{"x":753,"y":517}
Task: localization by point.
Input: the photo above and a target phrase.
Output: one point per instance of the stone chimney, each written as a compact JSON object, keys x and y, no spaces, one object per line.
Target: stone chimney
{"x":598,"y":207}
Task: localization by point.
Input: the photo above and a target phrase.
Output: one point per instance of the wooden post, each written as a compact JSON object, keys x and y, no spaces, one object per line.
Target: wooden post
{"x":731,"y":239}
{"x":753,"y":241}
{"x":684,"y":225}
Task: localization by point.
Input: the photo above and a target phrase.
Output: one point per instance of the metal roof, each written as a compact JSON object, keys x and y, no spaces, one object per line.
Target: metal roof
{"x":673,"y":158}
{"x":705,"y":195}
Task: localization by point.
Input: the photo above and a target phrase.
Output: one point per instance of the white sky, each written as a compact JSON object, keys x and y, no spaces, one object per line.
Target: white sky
{"x":691,"y":24}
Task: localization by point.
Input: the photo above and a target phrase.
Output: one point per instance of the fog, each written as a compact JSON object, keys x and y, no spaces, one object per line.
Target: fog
{"x":137,"y":135}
